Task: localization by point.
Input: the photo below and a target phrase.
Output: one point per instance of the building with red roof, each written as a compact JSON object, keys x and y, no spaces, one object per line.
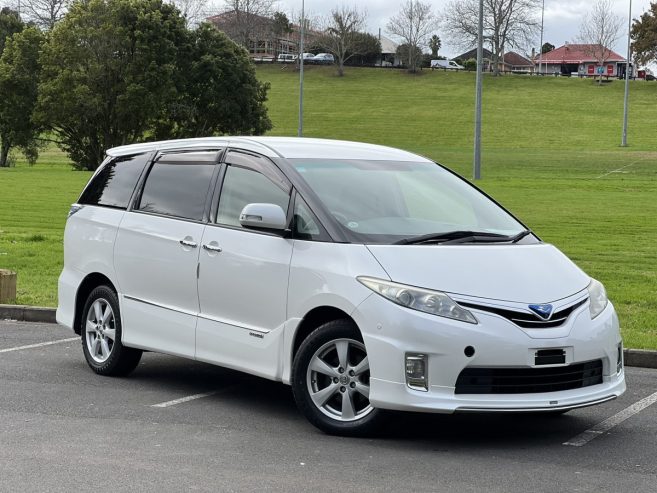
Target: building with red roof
{"x":582,"y":60}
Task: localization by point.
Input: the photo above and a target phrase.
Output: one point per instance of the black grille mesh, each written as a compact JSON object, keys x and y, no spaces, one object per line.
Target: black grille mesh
{"x":528,"y":380}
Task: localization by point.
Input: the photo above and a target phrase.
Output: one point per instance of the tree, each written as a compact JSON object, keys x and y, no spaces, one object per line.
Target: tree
{"x":434,"y":45}
{"x":341,"y":35}
{"x":280,"y":26}
{"x":600,"y":30}
{"x":368,"y":49}
{"x":246,"y":21}
{"x":193,"y":11}
{"x":19,"y":72}
{"x":118,"y":71}
{"x":10,"y":23}
{"x":409,"y":55}
{"x":412,"y":25}
{"x":547,"y":48}
{"x":644,"y":36}
{"x":45,"y":13}
{"x":217,"y":92}
{"x":507,"y":24}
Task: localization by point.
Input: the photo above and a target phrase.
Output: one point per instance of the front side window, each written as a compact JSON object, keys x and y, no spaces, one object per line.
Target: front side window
{"x":177,"y":189}
{"x":113,"y":185}
{"x":386,"y":201}
{"x":243,"y":186}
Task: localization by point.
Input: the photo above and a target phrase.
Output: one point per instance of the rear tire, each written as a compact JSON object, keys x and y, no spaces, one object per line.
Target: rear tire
{"x":100,"y":330}
{"x":330,"y":381}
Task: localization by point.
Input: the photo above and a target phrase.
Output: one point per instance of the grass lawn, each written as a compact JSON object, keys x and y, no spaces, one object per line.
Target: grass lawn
{"x":550,"y":154}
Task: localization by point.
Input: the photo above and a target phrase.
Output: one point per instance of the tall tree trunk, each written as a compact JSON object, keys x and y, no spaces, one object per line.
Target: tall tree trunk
{"x":4,"y":153}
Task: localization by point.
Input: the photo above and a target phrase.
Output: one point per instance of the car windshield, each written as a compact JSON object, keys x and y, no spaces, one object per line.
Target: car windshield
{"x":390,"y":201}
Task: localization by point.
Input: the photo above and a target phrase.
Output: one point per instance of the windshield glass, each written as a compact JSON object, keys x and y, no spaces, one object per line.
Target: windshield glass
{"x":386,"y":201}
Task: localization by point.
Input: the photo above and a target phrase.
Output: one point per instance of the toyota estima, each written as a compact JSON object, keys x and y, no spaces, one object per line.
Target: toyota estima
{"x":367,"y":278}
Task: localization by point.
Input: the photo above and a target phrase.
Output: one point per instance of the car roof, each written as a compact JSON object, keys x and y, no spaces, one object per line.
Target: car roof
{"x":273,"y":147}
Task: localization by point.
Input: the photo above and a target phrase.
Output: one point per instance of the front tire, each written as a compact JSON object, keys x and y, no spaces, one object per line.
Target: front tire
{"x":331,"y":381}
{"x":101,"y":335}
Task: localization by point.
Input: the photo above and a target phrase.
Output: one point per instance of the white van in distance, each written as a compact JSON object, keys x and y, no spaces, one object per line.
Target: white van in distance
{"x":367,"y":278}
{"x":446,"y":64}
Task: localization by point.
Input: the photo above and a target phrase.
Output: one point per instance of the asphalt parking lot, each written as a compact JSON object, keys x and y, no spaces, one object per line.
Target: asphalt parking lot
{"x":176,"y":425}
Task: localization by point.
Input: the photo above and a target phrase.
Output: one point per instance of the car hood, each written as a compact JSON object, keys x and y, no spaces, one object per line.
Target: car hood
{"x":518,"y":273}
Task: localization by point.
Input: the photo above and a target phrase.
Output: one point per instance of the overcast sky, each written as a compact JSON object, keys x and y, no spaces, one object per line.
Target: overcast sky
{"x":562,"y":17}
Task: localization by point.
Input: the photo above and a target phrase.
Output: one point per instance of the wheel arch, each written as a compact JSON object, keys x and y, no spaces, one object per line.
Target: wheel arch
{"x":88,"y":284}
{"x":317,"y":317}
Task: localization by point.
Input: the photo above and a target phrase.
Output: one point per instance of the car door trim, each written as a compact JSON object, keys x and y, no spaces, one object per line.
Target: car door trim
{"x":160,"y":305}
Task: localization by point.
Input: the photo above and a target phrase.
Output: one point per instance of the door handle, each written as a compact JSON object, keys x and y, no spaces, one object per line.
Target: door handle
{"x":211,"y":248}
{"x":188,"y":243}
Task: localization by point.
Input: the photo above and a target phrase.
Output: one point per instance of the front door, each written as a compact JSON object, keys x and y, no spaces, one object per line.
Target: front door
{"x":243,"y":273}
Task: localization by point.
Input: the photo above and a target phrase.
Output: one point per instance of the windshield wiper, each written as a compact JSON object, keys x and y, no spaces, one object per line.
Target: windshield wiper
{"x":455,"y":236}
{"x":521,"y":235}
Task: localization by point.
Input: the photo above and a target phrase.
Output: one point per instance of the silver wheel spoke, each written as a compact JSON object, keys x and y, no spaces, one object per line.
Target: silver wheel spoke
{"x":110,"y":334}
{"x":362,"y":367}
{"x":342,"y":348}
{"x":320,"y":366}
{"x":347,"y":406}
{"x":106,"y":315}
{"x":104,"y":348}
{"x":91,"y":327}
{"x":98,"y":311}
{"x":362,"y":389}
{"x":95,"y":346}
{"x":320,"y":398}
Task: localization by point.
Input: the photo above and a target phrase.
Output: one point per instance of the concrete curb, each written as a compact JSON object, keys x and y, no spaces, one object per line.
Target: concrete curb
{"x":642,"y":358}
{"x":27,"y":313}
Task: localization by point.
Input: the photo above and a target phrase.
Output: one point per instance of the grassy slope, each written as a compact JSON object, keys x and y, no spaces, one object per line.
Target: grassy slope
{"x":548,"y":146}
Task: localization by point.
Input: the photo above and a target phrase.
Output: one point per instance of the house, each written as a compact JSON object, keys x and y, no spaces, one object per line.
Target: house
{"x":511,"y":61}
{"x":582,"y":60}
{"x":388,"y":52}
{"x":262,"y":42}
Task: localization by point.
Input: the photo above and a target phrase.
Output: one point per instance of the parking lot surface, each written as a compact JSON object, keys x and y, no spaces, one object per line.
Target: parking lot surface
{"x":178,"y":425}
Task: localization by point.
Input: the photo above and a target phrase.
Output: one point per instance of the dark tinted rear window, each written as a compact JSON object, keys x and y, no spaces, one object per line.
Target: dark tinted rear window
{"x":177,"y":189}
{"x":114,"y":184}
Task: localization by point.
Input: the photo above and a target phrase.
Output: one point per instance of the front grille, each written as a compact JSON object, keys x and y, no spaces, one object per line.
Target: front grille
{"x":529,"y":320}
{"x":528,"y":380}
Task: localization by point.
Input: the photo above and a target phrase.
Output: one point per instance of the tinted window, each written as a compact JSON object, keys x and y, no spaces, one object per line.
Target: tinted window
{"x":113,"y":185}
{"x":177,"y":189}
{"x":244,"y":186}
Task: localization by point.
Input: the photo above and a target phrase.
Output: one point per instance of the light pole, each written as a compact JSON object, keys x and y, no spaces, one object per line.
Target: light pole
{"x":303,"y":27}
{"x":627,"y":77}
{"x":540,"y":50}
{"x":480,"y":66}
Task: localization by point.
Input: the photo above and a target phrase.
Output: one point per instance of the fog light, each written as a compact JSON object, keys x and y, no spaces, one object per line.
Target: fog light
{"x":619,"y":359}
{"x":416,"y":371}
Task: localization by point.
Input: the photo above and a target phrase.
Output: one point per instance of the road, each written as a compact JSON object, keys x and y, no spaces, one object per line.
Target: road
{"x":63,"y":428}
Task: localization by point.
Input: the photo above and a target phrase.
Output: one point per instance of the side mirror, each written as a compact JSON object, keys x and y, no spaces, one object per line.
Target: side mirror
{"x":263,"y":216}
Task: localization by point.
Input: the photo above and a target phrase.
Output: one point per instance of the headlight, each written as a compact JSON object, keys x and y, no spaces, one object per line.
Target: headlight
{"x":423,"y":300}
{"x":598,"y":298}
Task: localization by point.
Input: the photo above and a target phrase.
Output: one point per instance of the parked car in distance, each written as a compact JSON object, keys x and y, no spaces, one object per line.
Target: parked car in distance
{"x":366,"y":277}
{"x":446,"y":65}
{"x":308,"y":56}
{"x":287,"y":58}
{"x":323,"y":59}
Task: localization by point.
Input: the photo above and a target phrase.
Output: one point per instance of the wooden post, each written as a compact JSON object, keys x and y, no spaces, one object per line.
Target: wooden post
{"x":7,"y":286}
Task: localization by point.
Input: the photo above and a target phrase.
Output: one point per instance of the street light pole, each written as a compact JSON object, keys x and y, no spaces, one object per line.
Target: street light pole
{"x":480,"y":66}
{"x":627,"y":78}
{"x":540,"y":50}
{"x":303,"y":27}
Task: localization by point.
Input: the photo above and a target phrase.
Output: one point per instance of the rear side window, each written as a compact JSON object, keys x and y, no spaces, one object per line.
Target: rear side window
{"x":113,"y":185}
{"x":177,"y":188}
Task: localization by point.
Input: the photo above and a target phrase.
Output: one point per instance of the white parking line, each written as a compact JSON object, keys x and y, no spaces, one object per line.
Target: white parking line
{"x":41,"y":344}
{"x":609,"y":423}
{"x":184,"y":399}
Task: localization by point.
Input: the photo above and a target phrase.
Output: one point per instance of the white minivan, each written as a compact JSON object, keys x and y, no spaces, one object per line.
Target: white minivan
{"x":367,"y":278}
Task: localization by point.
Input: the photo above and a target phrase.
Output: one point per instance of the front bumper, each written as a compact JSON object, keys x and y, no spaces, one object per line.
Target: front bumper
{"x":390,"y":331}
